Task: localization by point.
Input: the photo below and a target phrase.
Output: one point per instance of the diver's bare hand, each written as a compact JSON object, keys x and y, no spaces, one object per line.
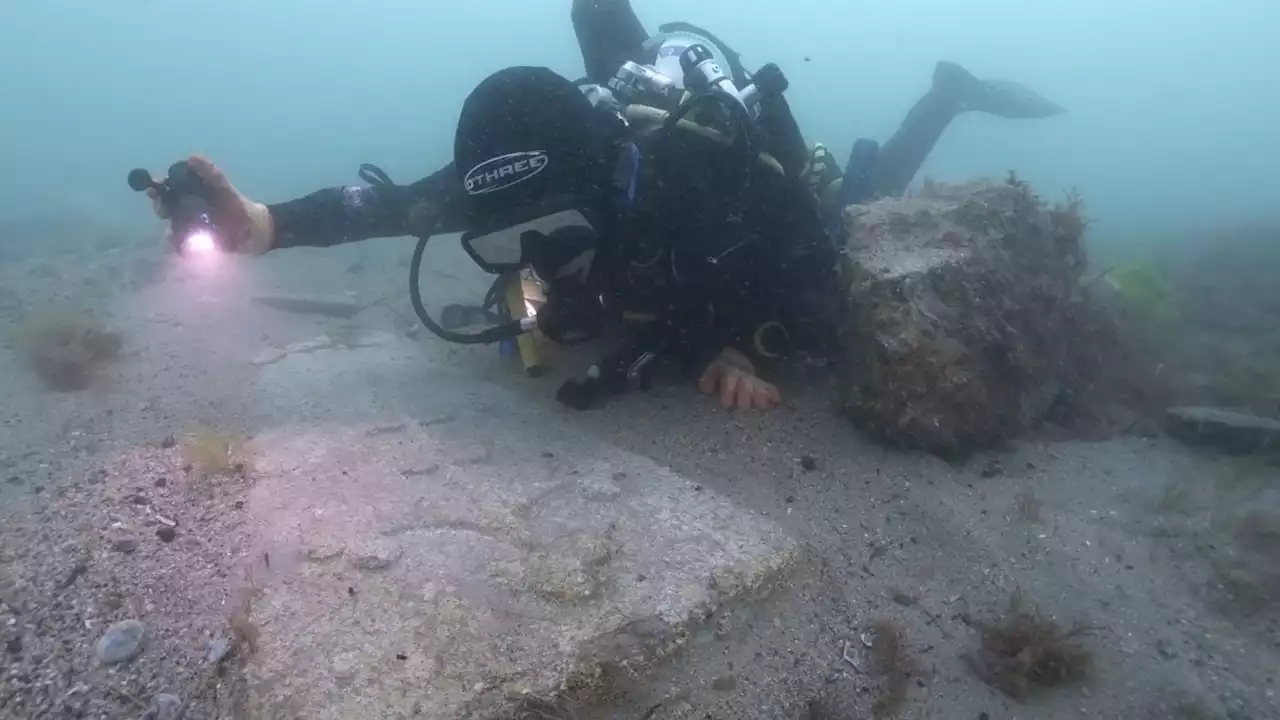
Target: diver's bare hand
{"x":236,"y":215}
{"x":733,"y":377}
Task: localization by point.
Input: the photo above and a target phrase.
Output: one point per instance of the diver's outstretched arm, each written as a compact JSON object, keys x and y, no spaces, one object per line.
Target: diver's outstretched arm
{"x":338,"y":215}
{"x":954,"y":91}
{"x":434,"y":204}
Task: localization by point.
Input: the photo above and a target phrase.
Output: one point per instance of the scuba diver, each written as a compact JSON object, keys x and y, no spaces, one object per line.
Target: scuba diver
{"x":766,"y":276}
{"x":699,"y":242}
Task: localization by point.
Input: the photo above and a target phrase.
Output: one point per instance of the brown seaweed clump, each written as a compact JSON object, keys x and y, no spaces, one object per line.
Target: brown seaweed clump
{"x":1024,"y":651}
{"x":210,"y":452}
{"x":892,"y":664}
{"x":66,"y":348}
{"x":895,"y":663}
{"x":532,"y":707}
{"x":245,"y":631}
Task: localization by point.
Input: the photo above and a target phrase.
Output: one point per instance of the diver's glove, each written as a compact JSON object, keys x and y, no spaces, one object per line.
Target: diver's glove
{"x":234,"y":213}
{"x":733,"y":377}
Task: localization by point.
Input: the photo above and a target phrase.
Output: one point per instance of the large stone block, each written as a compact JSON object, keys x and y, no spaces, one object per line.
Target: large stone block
{"x":962,"y":302}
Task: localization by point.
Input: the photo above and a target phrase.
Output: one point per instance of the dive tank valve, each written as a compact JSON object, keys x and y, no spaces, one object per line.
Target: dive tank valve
{"x":702,"y":72}
{"x":768,"y":81}
{"x":633,"y":79}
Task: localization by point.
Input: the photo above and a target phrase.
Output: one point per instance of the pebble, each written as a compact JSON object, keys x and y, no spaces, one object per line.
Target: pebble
{"x":345,"y":666}
{"x":125,"y":545}
{"x":164,"y":706}
{"x":121,"y":642}
{"x":218,"y":649}
{"x":73,"y":574}
{"x":376,"y":556}
{"x":166,"y":533}
{"x":724,"y":683}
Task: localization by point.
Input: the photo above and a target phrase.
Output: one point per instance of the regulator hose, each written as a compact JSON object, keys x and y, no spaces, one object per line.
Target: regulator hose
{"x":495,"y":334}
{"x":376,"y":176}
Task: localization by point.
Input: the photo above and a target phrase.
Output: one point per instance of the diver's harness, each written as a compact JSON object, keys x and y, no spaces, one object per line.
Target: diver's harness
{"x":709,"y":93}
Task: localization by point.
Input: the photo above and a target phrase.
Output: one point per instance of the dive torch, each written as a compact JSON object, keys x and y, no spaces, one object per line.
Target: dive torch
{"x":185,"y":198}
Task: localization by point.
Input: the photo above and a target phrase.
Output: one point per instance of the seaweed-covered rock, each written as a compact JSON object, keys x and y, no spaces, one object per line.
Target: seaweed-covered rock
{"x":963,"y":302}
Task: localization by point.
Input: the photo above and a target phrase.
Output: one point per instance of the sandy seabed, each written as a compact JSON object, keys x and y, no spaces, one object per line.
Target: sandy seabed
{"x":1137,"y":537}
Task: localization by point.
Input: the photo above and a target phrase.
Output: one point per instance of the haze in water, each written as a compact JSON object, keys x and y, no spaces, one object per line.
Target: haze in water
{"x":1169,"y":115}
{"x":258,"y":487}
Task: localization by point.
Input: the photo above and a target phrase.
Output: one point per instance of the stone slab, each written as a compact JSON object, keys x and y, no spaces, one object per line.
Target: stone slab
{"x":1228,"y":430}
{"x":448,"y":567}
{"x":341,"y":306}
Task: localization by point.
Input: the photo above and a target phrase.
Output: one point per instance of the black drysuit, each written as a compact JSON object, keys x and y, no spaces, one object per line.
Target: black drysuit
{"x":781,"y":270}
